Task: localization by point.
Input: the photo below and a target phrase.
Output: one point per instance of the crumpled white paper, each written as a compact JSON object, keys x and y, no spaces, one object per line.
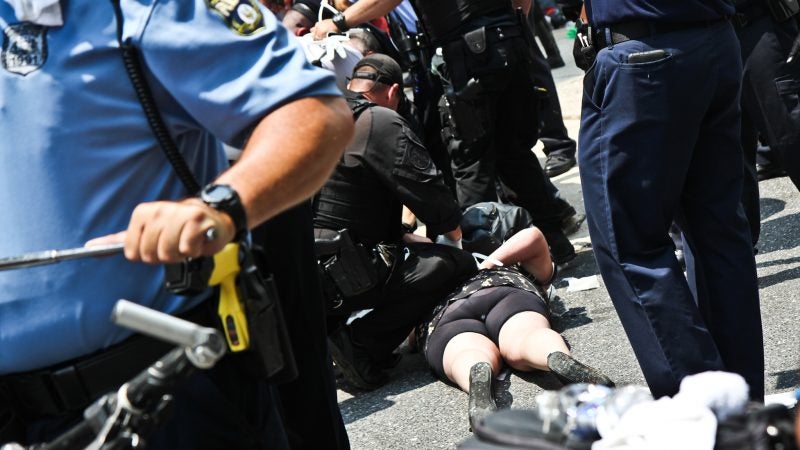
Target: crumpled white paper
{"x":582,"y":284}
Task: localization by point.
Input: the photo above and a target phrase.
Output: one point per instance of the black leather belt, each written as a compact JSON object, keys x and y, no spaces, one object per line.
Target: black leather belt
{"x":628,"y":31}
{"x":72,"y":386}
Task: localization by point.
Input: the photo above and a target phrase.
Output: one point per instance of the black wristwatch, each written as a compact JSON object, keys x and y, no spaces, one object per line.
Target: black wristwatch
{"x":223,"y":198}
{"x":340,"y":22}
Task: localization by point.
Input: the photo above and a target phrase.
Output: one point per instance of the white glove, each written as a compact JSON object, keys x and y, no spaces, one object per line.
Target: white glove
{"x":444,"y":240}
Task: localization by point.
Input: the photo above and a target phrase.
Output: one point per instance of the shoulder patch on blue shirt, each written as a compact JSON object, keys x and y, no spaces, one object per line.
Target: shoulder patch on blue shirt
{"x":24,"y":47}
{"x":242,"y":16}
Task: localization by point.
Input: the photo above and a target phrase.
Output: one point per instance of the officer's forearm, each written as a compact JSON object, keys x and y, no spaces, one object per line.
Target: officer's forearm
{"x":289,"y":156}
{"x":366,"y":10}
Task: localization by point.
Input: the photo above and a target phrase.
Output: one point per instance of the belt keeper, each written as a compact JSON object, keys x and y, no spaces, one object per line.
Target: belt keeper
{"x":609,"y":38}
{"x":67,"y":387}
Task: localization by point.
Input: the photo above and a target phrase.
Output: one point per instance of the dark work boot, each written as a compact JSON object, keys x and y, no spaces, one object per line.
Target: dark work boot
{"x":354,"y":362}
{"x":570,"y":371}
{"x":561,"y":248}
{"x":558,"y":163}
{"x":481,"y":397}
{"x":572,"y":223}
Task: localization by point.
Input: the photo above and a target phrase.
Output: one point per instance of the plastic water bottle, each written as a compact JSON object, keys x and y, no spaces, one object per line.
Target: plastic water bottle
{"x":617,"y":404}
{"x":572,"y":31}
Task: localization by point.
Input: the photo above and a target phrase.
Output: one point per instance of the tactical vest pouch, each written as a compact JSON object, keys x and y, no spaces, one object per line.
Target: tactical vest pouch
{"x":347,"y":264}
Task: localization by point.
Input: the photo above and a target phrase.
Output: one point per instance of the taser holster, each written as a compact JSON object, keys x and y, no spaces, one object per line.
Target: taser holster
{"x":248,"y":307}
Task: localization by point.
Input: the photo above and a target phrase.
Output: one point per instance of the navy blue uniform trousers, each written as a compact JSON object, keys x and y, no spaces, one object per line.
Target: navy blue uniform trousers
{"x":660,"y":142}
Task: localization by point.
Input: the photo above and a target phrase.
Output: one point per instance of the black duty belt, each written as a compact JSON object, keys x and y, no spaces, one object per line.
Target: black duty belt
{"x":628,"y":31}
{"x":72,"y":386}
{"x":481,"y":38}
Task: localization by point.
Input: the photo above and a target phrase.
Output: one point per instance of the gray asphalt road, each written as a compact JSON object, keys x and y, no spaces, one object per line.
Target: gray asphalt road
{"x":417,"y":411}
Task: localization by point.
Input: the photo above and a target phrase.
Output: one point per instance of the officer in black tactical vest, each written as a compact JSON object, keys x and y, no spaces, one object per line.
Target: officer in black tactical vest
{"x":368,"y":260}
{"x":490,"y":102}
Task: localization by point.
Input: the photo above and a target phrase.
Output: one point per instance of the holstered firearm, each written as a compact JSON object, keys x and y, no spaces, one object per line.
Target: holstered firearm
{"x":346,"y":268}
{"x":466,"y":121}
{"x":406,"y":44}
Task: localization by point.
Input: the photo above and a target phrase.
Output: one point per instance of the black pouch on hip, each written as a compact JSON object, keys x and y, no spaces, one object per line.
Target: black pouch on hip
{"x":347,"y":264}
{"x":583,"y":50}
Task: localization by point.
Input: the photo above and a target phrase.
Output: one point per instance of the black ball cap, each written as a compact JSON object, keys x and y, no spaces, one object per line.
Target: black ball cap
{"x":388,"y":71}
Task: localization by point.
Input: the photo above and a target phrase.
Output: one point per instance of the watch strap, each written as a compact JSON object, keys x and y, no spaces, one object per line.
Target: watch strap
{"x":232,"y":206}
{"x":340,"y":21}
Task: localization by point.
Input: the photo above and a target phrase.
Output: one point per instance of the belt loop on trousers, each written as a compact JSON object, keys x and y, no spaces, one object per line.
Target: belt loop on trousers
{"x":609,"y":40}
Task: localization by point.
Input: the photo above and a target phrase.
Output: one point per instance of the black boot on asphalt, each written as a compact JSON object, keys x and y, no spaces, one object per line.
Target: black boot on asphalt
{"x":558,"y":163}
{"x":481,"y":397}
{"x":354,"y":362}
{"x":572,"y":223}
{"x":561,"y":249}
{"x":568,"y":370}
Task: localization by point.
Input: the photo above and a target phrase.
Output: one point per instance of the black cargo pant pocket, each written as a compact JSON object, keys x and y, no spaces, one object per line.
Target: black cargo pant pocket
{"x":788,"y":87}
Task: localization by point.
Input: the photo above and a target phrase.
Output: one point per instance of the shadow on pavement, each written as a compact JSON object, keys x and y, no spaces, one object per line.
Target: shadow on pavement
{"x":412,"y":373}
{"x":776,"y":234}
{"x":582,"y":266}
{"x":786,"y":379}
{"x":544,"y":380}
{"x":779,"y":277}
{"x":771,"y":206}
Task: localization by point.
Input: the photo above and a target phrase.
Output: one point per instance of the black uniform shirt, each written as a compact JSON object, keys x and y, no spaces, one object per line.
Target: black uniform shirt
{"x":386,"y":166}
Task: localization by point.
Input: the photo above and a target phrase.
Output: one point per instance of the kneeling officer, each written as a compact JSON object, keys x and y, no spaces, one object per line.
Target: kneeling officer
{"x":398,"y":278}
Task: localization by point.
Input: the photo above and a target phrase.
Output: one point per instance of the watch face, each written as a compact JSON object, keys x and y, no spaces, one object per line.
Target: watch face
{"x":217,"y":193}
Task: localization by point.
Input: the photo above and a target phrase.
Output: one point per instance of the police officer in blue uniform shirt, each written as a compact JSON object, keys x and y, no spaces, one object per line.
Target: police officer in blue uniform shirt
{"x":660,"y":142}
{"x":78,"y":161}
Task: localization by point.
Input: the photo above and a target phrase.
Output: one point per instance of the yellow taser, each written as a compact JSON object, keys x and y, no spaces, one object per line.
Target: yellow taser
{"x":230,"y":310}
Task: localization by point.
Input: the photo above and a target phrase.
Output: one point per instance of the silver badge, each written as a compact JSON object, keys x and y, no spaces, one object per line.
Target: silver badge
{"x":24,"y":48}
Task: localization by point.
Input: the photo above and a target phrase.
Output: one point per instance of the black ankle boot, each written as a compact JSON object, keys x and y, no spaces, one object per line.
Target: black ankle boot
{"x":481,"y":397}
{"x":570,"y":371}
{"x":354,"y":362}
